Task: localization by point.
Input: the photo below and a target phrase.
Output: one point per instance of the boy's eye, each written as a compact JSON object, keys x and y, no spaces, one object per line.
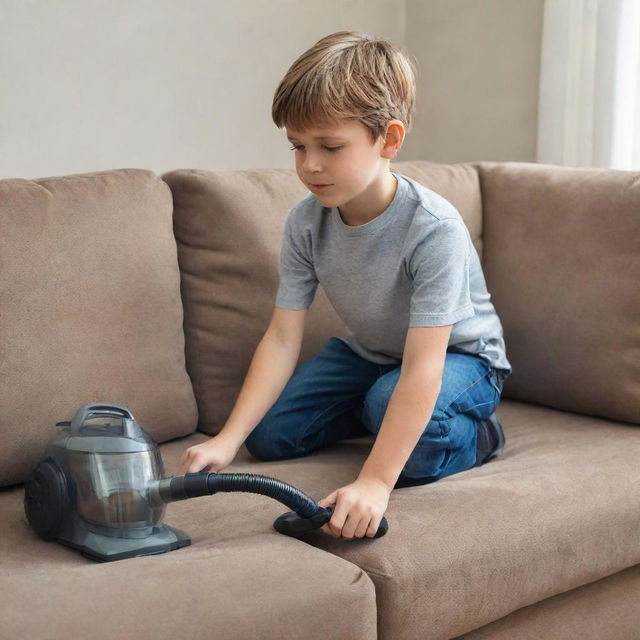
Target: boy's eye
{"x":327,"y":148}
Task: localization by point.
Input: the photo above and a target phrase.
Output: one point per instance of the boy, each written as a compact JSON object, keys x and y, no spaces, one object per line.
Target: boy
{"x":424,"y":343}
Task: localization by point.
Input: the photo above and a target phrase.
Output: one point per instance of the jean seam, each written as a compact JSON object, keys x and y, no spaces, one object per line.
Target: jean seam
{"x":497,"y":384}
{"x":467,"y":389}
{"x":439,"y":423}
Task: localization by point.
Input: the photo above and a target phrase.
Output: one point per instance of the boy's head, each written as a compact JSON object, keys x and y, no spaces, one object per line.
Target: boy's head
{"x":347,"y":75}
{"x":357,"y":90}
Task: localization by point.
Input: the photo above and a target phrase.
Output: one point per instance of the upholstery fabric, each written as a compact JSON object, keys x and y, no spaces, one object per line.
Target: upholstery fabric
{"x":562,"y":263}
{"x":228,"y":226}
{"x":541,"y":542}
{"x":557,"y":511}
{"x":91,"y":309}
{"x":603,"y":610}
{"x":239,"y":579}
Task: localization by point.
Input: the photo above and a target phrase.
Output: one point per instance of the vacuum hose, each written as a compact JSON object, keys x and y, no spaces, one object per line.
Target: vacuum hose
{"x":307,"y":514}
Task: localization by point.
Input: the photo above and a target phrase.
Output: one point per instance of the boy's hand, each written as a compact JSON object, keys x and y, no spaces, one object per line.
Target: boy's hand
{"x":358,"y":510}
{"x":213,"y":455}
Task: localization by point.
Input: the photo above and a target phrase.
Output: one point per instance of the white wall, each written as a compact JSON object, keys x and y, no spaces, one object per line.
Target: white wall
{"x":479,"y":76}
{"x":88,"y":85}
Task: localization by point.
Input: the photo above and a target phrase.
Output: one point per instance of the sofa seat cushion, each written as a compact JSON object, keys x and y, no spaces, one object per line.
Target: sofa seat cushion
{"x":238,"y":579}
{"x":603,"y":610}
{"x":559,"y":509}
{"x":91,"y":308}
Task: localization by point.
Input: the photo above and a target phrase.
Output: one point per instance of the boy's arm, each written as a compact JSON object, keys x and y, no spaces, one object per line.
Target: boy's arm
{"x":411,"y":404}
{"x":272,"y":365}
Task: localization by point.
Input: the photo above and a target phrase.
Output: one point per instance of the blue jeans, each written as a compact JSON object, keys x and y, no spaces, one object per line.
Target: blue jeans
{"x":337,"y":395}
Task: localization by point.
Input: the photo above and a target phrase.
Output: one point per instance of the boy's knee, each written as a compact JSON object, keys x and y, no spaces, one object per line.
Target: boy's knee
{"x":264,"y":444}
{"x":257,"y":443}
{"x":374,"y":406}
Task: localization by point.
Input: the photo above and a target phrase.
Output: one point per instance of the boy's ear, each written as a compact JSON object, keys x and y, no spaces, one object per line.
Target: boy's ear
{"x":393,"y":139}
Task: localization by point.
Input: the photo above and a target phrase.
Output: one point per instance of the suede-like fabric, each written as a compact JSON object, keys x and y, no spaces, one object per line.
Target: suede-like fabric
{"x":228,"y":226}
{"x":90,"y":309}
{"x":238,"y":579}
{"x":557,"y":511}
{"x":524,"y":546}
{"x":603,"y":610}
{"x":562,"y":263}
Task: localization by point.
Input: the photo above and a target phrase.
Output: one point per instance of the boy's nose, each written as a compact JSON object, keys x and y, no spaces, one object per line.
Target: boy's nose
{"x":311,"y":164}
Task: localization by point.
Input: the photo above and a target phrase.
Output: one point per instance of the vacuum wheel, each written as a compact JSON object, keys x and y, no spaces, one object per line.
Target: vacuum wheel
{"x":45,"y":499}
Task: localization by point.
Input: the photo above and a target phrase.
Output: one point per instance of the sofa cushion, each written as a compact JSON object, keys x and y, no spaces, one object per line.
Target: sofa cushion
{"x":606,"y":609}
{"x":562,"y":262}
{"x":228,"y":225}
{"x":91,"y":309}
{"x":557,"y":511}
{"x":238,"y":579}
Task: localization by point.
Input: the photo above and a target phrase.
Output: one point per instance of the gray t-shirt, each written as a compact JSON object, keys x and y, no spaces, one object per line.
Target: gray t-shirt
{"x":414,"y":265}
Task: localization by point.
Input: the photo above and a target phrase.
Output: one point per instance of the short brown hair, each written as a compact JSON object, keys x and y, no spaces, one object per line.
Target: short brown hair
{"x":349,"y":75}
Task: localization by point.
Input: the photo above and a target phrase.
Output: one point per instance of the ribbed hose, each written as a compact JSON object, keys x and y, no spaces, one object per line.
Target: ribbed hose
{"x":200,"y":484}
{"x":307,"y":514}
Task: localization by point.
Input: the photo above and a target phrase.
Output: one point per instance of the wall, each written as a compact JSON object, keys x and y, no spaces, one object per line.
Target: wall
{"x":90,"y":86}
{"x":479,"y":65}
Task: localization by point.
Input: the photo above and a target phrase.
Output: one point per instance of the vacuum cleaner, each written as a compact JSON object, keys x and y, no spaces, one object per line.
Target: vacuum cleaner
{"x":101,"y":490}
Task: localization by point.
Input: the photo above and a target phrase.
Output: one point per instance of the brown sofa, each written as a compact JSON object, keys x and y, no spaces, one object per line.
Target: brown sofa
{"x":153,"y":291}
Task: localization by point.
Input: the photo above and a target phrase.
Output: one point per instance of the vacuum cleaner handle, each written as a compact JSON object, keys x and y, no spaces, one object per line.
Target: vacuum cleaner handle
{"x":129,"y":425}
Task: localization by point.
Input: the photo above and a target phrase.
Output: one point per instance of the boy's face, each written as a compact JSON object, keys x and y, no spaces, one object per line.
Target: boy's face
{"x":342,"y":157}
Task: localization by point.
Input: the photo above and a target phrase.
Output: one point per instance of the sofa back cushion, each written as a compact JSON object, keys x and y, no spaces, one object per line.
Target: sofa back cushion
{"x":228,"y":225}
{"x":562,"y":262}
{"x":91,"y":309}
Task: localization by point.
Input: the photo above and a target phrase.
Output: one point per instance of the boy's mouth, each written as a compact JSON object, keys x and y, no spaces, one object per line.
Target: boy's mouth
{"x":320,"y":186}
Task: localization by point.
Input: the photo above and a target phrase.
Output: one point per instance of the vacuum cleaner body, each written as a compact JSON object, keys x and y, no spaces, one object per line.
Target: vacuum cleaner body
{"x":91,"y":491}
{"x":101,"y":490}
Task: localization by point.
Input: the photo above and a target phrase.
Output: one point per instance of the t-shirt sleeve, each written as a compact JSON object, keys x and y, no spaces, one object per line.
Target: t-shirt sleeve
{"x":440,"y":270}
{"x":298,"y":281}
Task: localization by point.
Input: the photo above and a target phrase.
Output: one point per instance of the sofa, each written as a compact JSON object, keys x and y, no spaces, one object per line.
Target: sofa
{"x":152,"y":292}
